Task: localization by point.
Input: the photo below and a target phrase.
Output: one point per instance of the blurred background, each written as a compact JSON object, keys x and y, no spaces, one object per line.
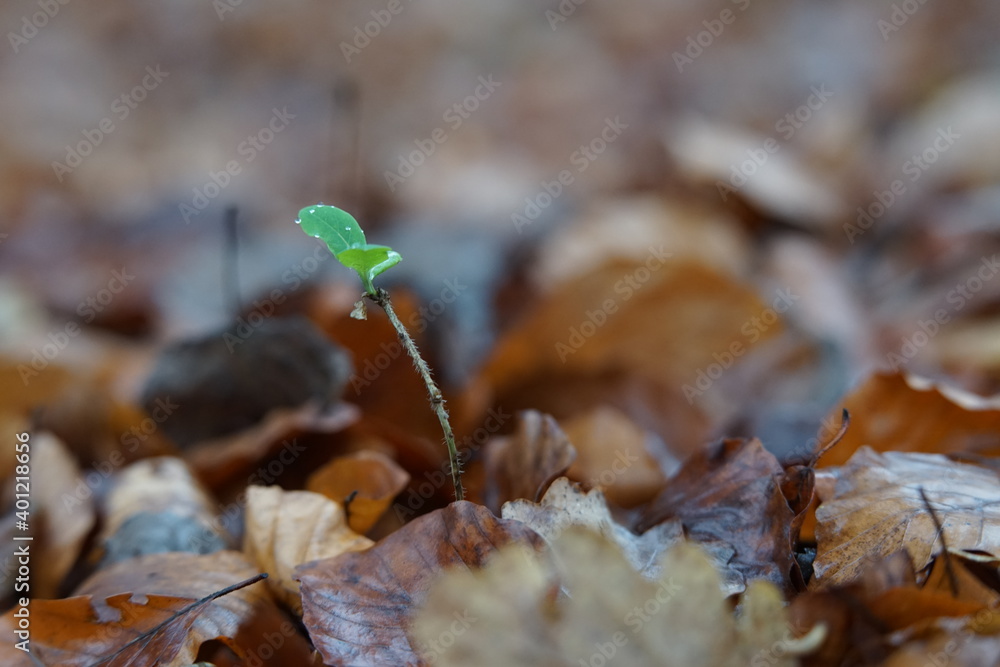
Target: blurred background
{"x":686,"y":218}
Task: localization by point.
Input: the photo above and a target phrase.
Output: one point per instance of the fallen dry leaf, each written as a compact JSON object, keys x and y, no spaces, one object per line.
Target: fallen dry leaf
{"x":608,"y":614}
{"x":357,"y":606}
{"x":287,"y":528}
{"x":123,"y":600}
{"x":525,"y":463}
{"x":156,"y":506}
{"x":612,"y":454}
{"x":731,"y":493}
{"x":220,"y":461}
{"x":877,"y":509}
{"x":565,"y":505}
{"x":902,"y":412}
{"x":369,"y":478}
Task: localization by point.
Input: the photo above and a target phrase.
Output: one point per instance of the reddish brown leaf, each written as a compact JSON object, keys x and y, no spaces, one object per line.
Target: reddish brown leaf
{"x":523,"y":465}
{"x":731,"y":492}
{"x":358,"y":606}
{"x":80,"y":631}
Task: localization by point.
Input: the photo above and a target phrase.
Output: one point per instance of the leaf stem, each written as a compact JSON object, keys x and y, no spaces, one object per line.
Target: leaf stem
{"x":381,"y":297}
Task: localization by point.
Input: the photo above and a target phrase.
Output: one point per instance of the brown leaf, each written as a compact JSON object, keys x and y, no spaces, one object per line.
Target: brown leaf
{"x":626,"y":335}
{"x":613,"y":454}
{"x":80,"y":631}
{"x":223,"y":460}
{"x":901,"y":412}
{"x":77,"y":630}
{"x":565,"y":505}
{"x":878,"y":509}
{"x":369,"y":478}
{"x":524,"y":464}
{"x":730,"y":492}
{"x":287,"y":528}
{"x":157,"y":506}
{"x":357,"y":606}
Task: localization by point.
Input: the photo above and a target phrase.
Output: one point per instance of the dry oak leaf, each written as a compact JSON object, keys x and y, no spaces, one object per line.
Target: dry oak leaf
{"x":370,"y":478}
{"x":877,"y":509}
{"x":287,"y":528}
{"x":74,"y":631}
{"x":524,"y":464}
{"x":358,"y":606}
{"x":565,"y":505}
{"x":509,"y":613}
{"x":730,"y":492}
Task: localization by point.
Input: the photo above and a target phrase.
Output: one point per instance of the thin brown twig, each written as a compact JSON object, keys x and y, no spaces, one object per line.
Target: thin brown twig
{"x":381,"y":297}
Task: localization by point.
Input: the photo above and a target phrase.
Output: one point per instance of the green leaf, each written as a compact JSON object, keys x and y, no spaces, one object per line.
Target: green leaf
{"x":334,"y":226}
{"x":369,"y":261}
{"x":345,"y":239}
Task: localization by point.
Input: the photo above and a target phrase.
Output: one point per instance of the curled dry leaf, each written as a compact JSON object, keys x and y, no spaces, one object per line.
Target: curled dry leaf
{"x":287,"y":528}
{"x":369,"y":478}
{"x":226,"y":459}
{"x":878,"y":509}
{"x":357,"y":606}
{"x":524,"y":464}
{"x":565,"y":505}
{"x":730,"y":492}
{"x":902,"y":412}
{"x":123,"y":601}
{"x":609,"y":613}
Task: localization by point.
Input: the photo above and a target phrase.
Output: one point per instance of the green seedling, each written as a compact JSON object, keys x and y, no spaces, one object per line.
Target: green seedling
{"x":346,"y":240}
